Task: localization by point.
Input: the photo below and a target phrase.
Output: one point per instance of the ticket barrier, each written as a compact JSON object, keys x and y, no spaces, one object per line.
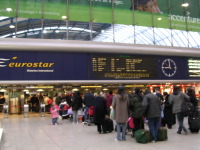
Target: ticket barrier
{"x":42,"y":110}
{"x":5,"y":110}
{"x":26,"y":110}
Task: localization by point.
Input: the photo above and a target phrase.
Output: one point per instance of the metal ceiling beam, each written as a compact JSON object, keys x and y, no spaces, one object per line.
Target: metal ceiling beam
{"x":21,"y":44}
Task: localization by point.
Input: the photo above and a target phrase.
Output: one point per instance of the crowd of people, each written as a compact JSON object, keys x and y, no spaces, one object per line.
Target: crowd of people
{"x":153,"y":108}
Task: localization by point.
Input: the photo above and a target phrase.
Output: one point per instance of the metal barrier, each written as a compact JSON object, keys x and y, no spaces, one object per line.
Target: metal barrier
{"x":42,"y":110}
{"x":5,"y":110}
{"x":26,"y":110}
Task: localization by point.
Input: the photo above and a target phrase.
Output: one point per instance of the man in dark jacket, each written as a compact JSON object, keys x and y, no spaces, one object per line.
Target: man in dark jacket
{"x":88,"y":101}
{"x":152,"y":111}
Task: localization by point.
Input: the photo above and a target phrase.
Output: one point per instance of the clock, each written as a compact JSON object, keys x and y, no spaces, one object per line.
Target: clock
{"x":169,"y":67}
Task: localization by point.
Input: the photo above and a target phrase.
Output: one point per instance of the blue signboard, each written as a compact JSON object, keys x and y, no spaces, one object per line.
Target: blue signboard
{"x":43,"y":66}
{"x":24,"y":65}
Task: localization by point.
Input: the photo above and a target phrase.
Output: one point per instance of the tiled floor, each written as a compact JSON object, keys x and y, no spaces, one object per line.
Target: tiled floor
{"x":36,"y":133}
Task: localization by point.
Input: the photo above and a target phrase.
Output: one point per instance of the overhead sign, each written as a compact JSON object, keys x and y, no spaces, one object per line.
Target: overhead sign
{"x":151,"y":13}
{"x":27,"y":65}
{"x":123,"y":67}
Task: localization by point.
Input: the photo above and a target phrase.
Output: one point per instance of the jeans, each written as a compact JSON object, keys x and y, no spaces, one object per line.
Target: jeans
{"x":75,"y":116}
{"x":123,"y":126}
{"x":154,"y":124}
{"x":54,"y":120}
{"x":86,"y":112}
{"x":180,"y":118}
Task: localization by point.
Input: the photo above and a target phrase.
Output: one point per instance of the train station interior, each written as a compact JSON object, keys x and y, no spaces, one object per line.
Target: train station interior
{"x":62,"y":47}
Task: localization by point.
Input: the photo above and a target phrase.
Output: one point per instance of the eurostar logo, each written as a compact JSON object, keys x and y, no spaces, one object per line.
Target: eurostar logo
{"x":4,"y":63}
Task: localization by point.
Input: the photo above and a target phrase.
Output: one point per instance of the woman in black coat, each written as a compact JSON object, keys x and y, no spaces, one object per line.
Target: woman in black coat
{"x":100,"y":112}
{"x":169,"y":117}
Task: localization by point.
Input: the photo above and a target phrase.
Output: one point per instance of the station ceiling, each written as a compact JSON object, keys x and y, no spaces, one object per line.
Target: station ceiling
{"x":85,"y":31}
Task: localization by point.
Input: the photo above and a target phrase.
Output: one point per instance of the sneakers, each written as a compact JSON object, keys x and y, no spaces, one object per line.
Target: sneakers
{"x":117,"y":140}
{"x":178,"y":132}
{"x":153,"y":141}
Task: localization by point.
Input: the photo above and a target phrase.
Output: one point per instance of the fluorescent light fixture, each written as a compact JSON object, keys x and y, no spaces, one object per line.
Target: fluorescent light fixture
{"x":105,"y":89}
{"x":64,"y":17}
{"x":12,"y":26}
{"x":8,"y":9}
{"x":57,"y":31}
{"x":2,"y":90}
{"x":159,"y":19}
{"x":75,"y":89}
{"x":26,"y":90}
{"x":185,"y":5}
{"x":45,"y":31}
{"x":40,"y":90}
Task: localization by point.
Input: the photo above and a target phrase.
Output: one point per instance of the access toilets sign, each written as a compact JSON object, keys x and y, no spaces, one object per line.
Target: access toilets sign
{"x":173,"y":14}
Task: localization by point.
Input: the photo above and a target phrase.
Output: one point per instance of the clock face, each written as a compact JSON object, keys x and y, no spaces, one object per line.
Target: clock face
{"x":169,"y":67}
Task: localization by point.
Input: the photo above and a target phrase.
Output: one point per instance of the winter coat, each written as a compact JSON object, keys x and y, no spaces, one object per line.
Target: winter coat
{"x":54,"y":112}
{"x":109,"y":100}
{"x":167,"y":109}
{"x":77,"y":103}
{"x":120,"y":106}
{"x":136,"y":106}
{"x":176,"y":99}
{"x":89,"y":99}
{"x":99,"y":110}
{"x":151,"y":106}
{"x":2,"y":100}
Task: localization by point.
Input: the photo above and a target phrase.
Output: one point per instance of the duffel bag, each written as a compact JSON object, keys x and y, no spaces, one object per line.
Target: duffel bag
{"x":162,"y":134}
{"x":142,"y":136}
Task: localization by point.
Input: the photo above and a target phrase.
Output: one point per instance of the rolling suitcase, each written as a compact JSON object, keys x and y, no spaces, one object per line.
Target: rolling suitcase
{"x":108,"y":125}
{"x":194,"y":122}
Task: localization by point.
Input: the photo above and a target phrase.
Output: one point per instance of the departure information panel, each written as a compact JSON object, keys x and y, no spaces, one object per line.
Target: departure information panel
{"x":194,"y":67}
{"x":123,"y":67}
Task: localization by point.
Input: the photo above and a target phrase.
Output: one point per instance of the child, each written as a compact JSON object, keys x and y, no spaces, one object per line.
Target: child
{"x":54,"y":113}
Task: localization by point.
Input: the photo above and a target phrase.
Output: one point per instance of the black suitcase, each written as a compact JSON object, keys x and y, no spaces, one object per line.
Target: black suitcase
{"x":194,"y":122}
{"x":108,"y":125}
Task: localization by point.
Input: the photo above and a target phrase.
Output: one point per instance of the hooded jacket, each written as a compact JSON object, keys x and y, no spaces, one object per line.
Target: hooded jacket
{"x":120,"y":106}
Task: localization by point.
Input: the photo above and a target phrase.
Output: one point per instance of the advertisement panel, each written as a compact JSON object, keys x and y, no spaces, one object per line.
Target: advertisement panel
{"x":170,"y":14}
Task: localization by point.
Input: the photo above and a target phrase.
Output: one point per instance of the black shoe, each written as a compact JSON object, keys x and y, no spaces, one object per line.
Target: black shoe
{"x":104,"y":132}
{"x":178,"y":132}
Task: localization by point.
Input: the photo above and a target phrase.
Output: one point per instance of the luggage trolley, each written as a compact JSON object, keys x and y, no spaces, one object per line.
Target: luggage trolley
{"x":90,"y":119}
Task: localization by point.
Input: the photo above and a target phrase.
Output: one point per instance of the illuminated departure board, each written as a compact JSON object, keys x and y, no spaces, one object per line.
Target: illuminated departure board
{"x":123,"y":67}
{"x":194,"y":67}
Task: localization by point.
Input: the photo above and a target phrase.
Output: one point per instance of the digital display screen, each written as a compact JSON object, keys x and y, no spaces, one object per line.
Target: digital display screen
{"x":123,"y":67}
{"x":194,"y":67}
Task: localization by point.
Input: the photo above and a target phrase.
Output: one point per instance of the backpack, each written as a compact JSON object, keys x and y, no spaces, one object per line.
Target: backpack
{"x":65,"y":107}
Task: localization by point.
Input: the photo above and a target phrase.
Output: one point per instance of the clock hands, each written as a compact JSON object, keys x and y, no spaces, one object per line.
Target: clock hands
{"x":169,"y":64}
